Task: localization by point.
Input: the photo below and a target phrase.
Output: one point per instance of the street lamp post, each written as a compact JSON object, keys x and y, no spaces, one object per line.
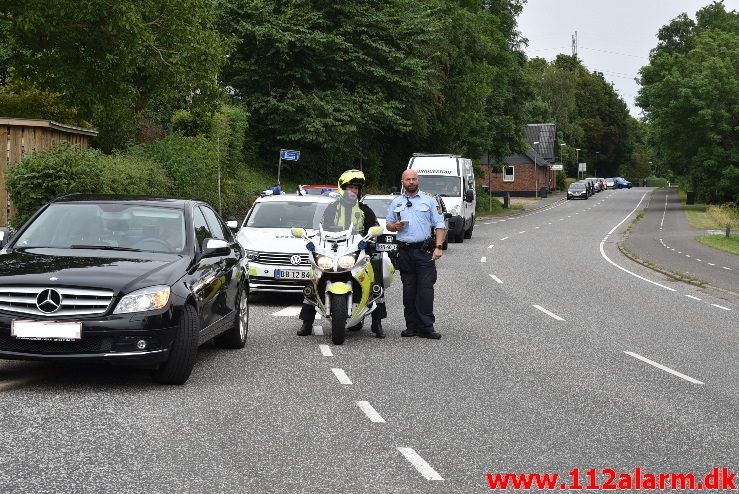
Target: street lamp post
{"x":577,"y":161}
{"x":561,"y":161}
{"x":536,"y":173}
{"x":595,"y":171}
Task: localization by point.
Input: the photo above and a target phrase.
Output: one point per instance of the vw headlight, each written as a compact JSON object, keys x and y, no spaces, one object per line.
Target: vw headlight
{"x":346,"y":262}
{"x":152,"y":298}
{"x":325,"y":263}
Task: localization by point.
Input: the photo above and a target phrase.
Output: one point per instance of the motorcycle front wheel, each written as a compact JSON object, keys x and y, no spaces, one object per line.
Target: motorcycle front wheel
{"x":339,"y":312}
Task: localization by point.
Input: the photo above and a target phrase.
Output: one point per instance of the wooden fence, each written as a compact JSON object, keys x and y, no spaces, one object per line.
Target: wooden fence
{"x":21,"y":137}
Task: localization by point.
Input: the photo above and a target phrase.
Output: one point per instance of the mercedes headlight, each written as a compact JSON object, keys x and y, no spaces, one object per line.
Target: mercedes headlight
{"x":325,"y":263}
{"x":152,"y":298}
{"x":346,"y":262}
{"x":251,"y":254}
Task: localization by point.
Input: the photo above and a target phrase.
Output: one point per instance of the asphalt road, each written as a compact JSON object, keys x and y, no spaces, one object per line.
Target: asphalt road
{"x":664,"y":238}
{"x":557,"y":353}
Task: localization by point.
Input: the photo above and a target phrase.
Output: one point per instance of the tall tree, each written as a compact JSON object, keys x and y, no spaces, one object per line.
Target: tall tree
{"x":690,"y":96}
{"x":333,"y":79}
{"x":483,"y":85}
{"x":118,"y":61}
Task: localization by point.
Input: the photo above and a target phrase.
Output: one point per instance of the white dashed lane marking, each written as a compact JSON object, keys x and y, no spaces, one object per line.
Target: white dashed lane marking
{"x":370,"y":412}
{"x":550,"y":314}
{"x":420,"y":464}
{"x":326,"y":350}
{"x":497,"y":280}
{"x":341,"y":376}
{"x":664,"y":368}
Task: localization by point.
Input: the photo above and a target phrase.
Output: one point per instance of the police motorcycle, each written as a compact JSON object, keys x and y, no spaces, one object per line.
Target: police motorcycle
{"x":343,"y":284}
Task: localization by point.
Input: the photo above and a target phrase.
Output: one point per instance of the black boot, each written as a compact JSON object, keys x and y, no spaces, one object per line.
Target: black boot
{"x":377,"y":328}
{"x":306,"y":329}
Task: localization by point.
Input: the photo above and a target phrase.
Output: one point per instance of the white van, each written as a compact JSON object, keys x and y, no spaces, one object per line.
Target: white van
{"x":451,"y":177}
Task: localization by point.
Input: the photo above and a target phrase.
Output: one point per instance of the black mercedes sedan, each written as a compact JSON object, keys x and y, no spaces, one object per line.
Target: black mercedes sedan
{"x":128,"y":280}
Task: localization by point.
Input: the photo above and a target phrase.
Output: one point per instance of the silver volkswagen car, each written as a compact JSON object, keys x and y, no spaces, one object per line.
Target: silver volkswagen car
{"x":277,"y":261}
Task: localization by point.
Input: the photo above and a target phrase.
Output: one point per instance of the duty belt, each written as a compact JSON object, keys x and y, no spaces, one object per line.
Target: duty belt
{"x":413,"y":245}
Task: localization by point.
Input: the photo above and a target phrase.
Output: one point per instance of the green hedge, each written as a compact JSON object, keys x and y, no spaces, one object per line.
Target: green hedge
{"x":66,"y":170}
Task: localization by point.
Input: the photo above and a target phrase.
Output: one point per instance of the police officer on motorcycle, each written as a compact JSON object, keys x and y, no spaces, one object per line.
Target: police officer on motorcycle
{"x":341,"y":214}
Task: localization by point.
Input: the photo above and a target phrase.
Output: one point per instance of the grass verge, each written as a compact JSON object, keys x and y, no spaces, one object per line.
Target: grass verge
{"x":721,"y":242}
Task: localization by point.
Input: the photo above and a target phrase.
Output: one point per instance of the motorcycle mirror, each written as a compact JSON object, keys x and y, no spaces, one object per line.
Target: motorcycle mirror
{"x":297,"y":232}
{"x":374,"y":231}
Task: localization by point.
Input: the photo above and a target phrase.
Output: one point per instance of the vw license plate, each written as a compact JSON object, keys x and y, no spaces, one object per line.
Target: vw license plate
{"x":292,"y":274}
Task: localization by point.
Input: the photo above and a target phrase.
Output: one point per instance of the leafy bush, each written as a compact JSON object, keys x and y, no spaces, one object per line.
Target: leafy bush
{"x":653,"y":181}
{"x":189,"y":162}
{"x":66,"y":169}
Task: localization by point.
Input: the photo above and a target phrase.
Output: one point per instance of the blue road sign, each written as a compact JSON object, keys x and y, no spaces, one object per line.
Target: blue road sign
{"x":289,"y":155}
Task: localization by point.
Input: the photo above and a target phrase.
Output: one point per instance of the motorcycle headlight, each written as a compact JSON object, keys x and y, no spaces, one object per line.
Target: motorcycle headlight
{"x":152,"y":298}
{"x":325,"y":263}
{"x":346,"y":262}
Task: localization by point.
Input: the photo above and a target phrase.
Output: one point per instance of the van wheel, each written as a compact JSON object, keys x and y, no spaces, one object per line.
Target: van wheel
{"x":468,"y":233}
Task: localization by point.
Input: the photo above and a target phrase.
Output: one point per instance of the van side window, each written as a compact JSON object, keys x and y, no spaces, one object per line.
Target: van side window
{"x":508,"y":174}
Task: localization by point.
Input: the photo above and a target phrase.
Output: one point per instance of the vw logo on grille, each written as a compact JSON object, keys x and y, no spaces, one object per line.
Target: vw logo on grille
{"x":49,"y":301}
{"x":295,"y":260}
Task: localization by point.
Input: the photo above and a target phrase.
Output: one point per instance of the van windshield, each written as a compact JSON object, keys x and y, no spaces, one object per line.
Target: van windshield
{"x":439,"y":184}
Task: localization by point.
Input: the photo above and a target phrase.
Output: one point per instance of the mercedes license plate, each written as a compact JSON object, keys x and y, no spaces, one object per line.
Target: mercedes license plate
{"x":46,"y":330}
{"x":292,"y":274}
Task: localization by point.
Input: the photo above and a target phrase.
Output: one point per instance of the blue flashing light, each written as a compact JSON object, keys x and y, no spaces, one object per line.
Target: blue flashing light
{"x":362,"y":244}
{"x":310,"y":246}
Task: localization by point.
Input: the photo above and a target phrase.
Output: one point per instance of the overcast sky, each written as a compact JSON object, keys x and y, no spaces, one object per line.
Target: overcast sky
{"x":613,"y":36}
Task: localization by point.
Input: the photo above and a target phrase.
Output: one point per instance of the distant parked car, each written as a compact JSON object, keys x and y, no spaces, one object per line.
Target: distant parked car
{"x":577,"y":190}
{"x":588,"y":185}
{"x":622,"y":183}
{"x":596,"y":183}
{"x":610,"y":184}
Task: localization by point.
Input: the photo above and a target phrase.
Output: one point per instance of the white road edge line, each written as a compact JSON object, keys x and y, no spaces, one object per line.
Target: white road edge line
{"x":370,"y":412}
{"x":664,"y":368}
{"x":720,"y":306}
{"x":603,"y":253}
{"x":550,"y":314}
{"x":326,"y":350}
{"x":420,"y":464}
{"x":341,"y":376}
{"x":693,"y":297}
{"x":491,"y":246}
{"x":497,"y":280}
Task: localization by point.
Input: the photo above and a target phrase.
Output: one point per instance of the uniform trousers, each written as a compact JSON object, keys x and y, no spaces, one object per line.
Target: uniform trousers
{"x":418,"y":274}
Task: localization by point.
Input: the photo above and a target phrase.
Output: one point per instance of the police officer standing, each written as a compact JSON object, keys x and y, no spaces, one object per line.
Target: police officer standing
{"x":421,"y":231}
{"x":342,"y":213}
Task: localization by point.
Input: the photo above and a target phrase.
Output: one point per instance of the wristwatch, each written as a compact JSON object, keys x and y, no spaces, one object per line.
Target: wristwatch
{"x":440,"y":247}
